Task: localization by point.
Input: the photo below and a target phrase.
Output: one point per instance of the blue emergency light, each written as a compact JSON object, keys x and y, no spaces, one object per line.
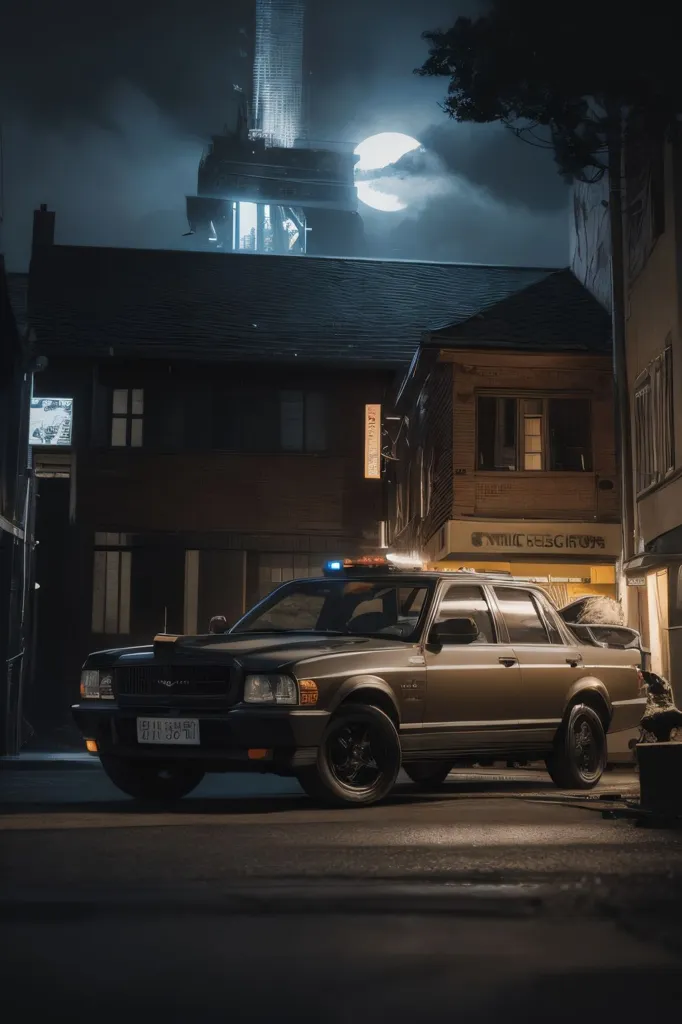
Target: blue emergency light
{"x":334,"y":566}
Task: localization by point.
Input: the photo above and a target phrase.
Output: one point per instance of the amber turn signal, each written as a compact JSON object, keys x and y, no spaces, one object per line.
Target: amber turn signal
{"x":91,"y":746}
{"x":307,"y":689}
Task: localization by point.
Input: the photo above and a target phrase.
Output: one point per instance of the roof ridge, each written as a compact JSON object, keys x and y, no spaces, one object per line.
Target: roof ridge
{"x":202,"y":253}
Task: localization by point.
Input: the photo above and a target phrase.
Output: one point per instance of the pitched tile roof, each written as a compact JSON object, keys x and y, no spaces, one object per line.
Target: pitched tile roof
{"x":248,"y":307}
{"x":554,"y":314}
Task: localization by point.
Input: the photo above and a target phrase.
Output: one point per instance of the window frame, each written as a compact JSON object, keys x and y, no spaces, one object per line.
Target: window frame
{"x":654,"y":422}
{"x":113,"y":553}
{"x":306,"y":394}
{"x":520,"y":397}
{"x":540,"y":610}
{"x":130,"y":417}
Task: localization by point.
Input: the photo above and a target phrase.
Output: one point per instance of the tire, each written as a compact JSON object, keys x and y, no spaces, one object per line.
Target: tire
{"x":358,"y":760}
{"x":153,"y":781}
{"x":571,"y":765}
{"x":428,"y":775}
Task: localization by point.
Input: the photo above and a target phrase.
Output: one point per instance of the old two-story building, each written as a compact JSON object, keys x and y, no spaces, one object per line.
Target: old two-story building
{"x":504,"y":449}
{"x":216,"y":445}
{"x":652,"y":264}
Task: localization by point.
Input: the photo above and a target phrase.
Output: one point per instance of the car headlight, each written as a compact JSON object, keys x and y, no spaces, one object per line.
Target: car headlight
{"x":270,"y":689}
{"x":96,"y":685}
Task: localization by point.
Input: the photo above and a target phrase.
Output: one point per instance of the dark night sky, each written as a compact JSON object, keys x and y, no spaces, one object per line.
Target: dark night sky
{"x":105,"y":108}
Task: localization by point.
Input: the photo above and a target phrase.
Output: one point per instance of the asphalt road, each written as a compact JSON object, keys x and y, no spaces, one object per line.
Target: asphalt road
{"x":248,"y":903}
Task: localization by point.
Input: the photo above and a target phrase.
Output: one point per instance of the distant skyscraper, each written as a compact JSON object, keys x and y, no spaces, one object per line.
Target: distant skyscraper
{"x":259,"y":188}
{"x":278,"y":71}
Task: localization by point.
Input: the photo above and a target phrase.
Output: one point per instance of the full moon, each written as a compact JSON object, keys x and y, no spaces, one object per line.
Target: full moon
{"x":376,"y":153}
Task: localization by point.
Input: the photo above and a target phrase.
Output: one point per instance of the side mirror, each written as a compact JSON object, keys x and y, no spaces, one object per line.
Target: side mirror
{"x":454,"y":631}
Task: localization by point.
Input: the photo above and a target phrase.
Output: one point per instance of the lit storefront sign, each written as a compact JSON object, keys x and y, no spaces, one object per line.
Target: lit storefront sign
{"x":532,"y":539}
{"x":372,"y":442}
{"x":51,"y":421}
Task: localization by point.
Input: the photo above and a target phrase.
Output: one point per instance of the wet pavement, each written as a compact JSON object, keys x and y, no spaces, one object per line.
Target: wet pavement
{"x":495,"y":892}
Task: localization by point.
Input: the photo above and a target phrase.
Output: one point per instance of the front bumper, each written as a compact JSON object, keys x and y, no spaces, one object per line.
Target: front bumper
{"x":290,"y":735}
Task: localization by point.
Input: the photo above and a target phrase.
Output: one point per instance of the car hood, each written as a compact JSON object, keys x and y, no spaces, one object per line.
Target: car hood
{"x":254,"y":651}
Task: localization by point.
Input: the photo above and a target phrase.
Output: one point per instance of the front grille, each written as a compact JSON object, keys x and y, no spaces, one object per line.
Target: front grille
{"x":173,"y":681}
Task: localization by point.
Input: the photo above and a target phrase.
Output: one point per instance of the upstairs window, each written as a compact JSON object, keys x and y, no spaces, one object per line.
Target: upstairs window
{"x":654,"y":423}
{"x":127,"y":411}
{"x":533,"y":434}
{"x":302,"y":419}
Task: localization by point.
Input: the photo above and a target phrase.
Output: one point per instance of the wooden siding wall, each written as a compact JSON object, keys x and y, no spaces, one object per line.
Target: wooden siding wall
{"x":180,"y":480}
{"x":136,"y":491}
{"x":556,"y":495}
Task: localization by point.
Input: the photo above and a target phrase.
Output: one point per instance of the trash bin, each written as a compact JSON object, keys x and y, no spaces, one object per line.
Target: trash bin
{"x":660,"y":778}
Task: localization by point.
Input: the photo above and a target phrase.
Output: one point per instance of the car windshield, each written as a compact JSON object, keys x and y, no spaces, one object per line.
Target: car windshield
{"x":349,"y":607}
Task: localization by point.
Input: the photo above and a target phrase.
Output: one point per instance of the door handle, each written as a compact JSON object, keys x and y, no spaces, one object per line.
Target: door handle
{"x":574,"y":662}
{"x":508,"y":662}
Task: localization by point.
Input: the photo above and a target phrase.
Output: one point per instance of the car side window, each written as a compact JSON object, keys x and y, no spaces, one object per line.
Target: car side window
{"x":461,"y":601}
{"x":521,"y":616}
{"x":555,"y":636}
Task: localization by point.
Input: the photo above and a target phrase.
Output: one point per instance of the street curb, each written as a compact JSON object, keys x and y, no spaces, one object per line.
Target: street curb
{"x":50,"y":762}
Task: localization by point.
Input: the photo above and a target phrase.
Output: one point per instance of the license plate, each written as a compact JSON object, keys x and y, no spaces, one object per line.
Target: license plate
{"x":172,"y":731}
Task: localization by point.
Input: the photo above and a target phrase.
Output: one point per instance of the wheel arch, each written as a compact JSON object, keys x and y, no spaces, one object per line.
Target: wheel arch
{"x":370,"y":690}
{"x":594,"y":694}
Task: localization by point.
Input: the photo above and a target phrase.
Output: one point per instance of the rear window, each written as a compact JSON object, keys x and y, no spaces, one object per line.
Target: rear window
{"x":521,"y":616}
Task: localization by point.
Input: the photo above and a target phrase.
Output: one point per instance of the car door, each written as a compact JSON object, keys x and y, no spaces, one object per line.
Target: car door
{"x":469,"y":687}
{"x":549,"y":666}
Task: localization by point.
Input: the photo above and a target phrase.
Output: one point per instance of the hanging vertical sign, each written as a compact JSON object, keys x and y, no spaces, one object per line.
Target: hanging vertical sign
{"x":372,"y":442}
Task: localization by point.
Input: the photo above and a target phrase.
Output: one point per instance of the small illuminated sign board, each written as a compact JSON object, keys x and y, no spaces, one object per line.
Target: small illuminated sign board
{"x":50,"y":421}
{"x":636,"y":581}
{"x":372,"y":442}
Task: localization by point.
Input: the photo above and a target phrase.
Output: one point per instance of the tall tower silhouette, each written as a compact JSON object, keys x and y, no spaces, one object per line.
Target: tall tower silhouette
{"x":261,"y":186}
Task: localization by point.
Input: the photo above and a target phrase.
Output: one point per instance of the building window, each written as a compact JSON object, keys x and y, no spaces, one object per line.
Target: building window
{"x":534,"y":434}
{"x":127,"y":409}
{"x":111,"y":584}
{"x":276,"y":568}
{"x":654,"y":423}
{"x":302,"y":418}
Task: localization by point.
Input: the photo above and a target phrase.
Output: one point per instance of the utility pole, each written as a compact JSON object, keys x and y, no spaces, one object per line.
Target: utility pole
{"x":618,"y":315}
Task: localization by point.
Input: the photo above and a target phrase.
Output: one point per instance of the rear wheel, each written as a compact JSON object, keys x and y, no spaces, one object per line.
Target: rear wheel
{"x":157,"y":781}
{"x":579,"y":757}
{"x":428,"y":775}
{"x":358,"y":760}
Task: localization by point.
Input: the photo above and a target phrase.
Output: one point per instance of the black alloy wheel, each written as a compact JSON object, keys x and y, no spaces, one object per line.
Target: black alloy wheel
{"x":428,"y":775}
{"x":580,"y":753}
{"x":153,"y":781}
{"x":358,"y":760}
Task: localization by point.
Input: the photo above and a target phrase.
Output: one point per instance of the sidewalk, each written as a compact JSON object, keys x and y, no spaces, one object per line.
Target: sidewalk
{"x":36,"y":760}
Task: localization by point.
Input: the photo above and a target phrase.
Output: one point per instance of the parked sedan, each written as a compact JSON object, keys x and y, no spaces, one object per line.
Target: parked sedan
{"x":340,"y":681}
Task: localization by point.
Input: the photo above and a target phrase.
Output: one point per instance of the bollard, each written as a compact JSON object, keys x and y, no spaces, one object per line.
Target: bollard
{"x":660,"y":778}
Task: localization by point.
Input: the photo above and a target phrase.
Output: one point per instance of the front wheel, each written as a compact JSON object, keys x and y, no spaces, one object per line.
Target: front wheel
{"x":579,"y":757}
{"x":428,"y":775}
{"x":358,"y":760}
{"x":153,"y":781}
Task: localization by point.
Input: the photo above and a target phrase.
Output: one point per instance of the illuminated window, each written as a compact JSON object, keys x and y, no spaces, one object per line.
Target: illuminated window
{"x":248,"y":227}
{"x":127,"y":410}
{"x":533,"y":430}
{"x":534,"y":434}
{"x":111,"y":584}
